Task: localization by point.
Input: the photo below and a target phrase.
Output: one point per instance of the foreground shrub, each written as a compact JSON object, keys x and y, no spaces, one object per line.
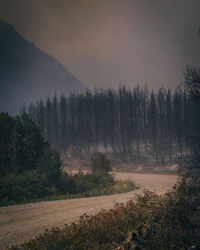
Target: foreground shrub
{"x":188,"y":192}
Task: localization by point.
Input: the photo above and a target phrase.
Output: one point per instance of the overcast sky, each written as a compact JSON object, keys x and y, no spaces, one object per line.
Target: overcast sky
{"x":108,"y":42}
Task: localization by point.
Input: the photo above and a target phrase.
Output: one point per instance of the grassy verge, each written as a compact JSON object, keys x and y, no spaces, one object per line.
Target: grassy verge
{"x":88,"y":185}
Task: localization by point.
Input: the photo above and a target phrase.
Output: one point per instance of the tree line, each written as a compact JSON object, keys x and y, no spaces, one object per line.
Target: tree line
{"x":137,"y":123}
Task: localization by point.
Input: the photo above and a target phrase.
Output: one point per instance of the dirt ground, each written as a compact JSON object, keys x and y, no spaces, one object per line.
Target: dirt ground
{"x":23,"y":222}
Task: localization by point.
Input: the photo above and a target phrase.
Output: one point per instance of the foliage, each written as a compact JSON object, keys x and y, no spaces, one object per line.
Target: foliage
{"x":91,"y":181}
{"x":21,"y":144}
{"x":49,"y":165}
{"x":97,"y":183}
{"x":192,"y":89}
{"x":189,"y":188}
{"x":188,"y":192}
{"x":99,"y":162}
{"x":26,"y":186}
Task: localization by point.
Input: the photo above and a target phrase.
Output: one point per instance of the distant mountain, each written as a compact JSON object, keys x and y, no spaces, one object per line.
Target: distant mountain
{"x":27,"y":73}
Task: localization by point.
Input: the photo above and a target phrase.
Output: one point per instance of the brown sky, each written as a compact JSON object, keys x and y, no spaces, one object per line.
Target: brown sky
{"x":107,"y":42}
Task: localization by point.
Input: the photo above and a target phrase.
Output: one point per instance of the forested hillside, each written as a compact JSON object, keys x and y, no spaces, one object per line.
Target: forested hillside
{"x":137,"y":124}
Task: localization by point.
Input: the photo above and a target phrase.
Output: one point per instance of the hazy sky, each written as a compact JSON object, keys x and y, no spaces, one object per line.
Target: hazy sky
{"x":108,"y":42}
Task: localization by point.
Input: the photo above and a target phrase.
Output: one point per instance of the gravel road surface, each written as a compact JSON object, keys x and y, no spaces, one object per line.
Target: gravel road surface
{"x":23,"y":222}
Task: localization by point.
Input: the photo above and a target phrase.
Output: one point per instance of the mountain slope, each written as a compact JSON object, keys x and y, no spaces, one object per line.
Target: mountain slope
{"x":27,"y":73}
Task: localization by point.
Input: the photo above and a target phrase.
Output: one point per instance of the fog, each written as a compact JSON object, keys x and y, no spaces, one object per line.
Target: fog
{"x":112,"y":42}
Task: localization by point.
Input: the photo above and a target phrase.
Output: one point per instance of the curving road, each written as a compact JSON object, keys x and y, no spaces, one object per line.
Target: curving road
{"x":23,"y":222}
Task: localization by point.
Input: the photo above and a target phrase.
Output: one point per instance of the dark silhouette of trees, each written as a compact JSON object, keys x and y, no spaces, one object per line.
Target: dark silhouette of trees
{"x":21,"y":143}
{"x":7,"y":125}
{"x":132,"y":123}
{"x":192,"y":90}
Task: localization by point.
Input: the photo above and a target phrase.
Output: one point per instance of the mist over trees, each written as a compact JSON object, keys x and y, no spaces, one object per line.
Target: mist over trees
{"x":137,"y":124}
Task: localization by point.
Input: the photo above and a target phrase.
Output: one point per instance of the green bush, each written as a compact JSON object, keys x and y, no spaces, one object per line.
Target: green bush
{"x":26,"y":186}
{"x":32,"y":185}
{"x":92,"y":181}
{"x":49,"y":165}
{"x":99,"y":163}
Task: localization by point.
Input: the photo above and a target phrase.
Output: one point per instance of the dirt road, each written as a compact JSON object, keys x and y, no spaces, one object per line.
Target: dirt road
{"x":22,"y":222}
